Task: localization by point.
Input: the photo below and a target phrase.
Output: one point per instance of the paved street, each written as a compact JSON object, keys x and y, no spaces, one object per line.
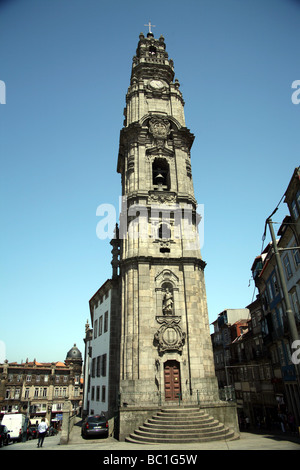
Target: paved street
{"x":248,"y":441}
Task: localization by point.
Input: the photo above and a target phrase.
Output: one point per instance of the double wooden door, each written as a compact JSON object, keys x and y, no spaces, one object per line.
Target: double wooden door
{"x":172,"y":380}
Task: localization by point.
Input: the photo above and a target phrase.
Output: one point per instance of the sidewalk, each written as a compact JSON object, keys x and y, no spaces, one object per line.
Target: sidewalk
{"x":247,"y":441}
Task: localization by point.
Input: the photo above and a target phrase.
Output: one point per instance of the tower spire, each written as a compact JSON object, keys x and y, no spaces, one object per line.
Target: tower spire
{"x":152,"y":59}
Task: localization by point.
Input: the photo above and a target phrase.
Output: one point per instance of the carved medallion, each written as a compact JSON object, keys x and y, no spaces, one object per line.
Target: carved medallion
{"x":170,"y":336}
{"x":160,"y":129}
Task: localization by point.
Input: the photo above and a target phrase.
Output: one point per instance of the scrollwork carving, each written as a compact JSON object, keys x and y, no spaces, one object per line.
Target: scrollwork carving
{"x":169,"y":337}
{"x":162,"y":197}
{"x":160,"y":129}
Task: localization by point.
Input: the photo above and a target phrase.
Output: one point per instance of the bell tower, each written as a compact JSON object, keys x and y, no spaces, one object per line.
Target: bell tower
{"x":165,"y":345}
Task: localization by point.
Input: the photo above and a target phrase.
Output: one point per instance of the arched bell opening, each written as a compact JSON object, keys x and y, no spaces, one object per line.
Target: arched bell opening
{"x":161,"y":174}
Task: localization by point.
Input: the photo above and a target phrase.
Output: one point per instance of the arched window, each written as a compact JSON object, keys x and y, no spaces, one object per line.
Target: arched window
{"x":152,"y":50}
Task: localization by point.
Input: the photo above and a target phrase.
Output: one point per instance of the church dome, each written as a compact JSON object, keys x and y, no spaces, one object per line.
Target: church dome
{"x":74,"y":353}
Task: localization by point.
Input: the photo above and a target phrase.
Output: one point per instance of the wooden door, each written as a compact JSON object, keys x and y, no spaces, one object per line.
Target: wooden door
{"x":172,"y":380}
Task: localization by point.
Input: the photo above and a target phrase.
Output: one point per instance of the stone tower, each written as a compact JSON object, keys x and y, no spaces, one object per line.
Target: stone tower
{"x":165,"y":345}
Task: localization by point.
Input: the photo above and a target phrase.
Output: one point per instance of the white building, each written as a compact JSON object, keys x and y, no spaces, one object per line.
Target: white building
{"x":100,"y":310}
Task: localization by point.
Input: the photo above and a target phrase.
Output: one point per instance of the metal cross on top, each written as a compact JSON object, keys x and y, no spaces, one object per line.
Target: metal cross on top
{"x":149,"y":26}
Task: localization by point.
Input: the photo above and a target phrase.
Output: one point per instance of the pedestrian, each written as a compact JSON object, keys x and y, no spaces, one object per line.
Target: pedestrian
{"x":282,"y":421}
{"x":291,"y":423}
{"x":42,"y":429}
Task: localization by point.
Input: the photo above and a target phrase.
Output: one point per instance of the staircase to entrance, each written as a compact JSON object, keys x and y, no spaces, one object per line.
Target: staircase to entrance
{"x":180,"y":425}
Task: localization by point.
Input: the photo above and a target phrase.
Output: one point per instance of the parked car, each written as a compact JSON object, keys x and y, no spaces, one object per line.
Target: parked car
{"x":32,"y":433}
{"x":4,"y":435}
{"x":95,"y":425}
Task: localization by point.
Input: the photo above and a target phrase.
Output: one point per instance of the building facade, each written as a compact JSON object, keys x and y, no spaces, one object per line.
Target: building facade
{"x":259,"y":361}
{"x":102,"y":351}
{"x":40,"y":389}
{"x":230,"y":324}
{"x":276,"y":324}
{"x":100,"y":306}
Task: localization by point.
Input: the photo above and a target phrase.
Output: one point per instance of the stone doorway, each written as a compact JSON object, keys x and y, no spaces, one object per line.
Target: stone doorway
{"x":172,"y":380}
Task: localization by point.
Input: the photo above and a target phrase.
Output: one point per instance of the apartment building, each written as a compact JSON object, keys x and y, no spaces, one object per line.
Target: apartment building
{"x":40,"y":389}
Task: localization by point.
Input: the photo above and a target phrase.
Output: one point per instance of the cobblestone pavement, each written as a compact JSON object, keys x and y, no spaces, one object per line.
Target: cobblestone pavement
{"x":247,"y":441}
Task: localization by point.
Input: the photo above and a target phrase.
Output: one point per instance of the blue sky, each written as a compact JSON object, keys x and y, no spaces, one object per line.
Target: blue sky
{"x":66,"y":66}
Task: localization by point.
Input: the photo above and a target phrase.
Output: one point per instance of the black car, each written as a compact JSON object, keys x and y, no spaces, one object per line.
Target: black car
{"x":4,"y":435}
{"x":95,"y":425}
{"x":31,"y":433}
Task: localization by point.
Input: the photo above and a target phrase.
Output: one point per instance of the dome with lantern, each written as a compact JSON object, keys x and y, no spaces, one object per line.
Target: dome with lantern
{"x":74,"y":354}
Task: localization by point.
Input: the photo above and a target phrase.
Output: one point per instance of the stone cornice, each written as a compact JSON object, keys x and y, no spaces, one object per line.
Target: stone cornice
{"x":153,"y":260}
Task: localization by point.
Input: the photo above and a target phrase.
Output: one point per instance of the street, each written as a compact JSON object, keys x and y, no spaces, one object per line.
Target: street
{"x":247,"y":441}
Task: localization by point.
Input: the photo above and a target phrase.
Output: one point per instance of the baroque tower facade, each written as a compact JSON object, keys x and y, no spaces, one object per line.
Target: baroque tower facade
{"x":165,"y":346}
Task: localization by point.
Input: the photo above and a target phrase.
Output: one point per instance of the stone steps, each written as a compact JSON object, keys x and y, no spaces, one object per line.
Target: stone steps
{"x":185,"y":427}
{"x":181,"y":425}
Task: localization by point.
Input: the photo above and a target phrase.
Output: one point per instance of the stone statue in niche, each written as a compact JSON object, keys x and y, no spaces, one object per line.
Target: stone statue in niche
{"x":168,"y":303}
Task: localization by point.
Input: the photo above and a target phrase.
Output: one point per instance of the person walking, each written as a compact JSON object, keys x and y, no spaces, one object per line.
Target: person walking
{"x":42,"y":429}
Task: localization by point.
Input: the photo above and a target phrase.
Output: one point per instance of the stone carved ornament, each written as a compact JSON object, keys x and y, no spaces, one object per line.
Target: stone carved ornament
{"x":161,"y":198}
{"x":169,"y":337}
{"x":160,"y":129}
